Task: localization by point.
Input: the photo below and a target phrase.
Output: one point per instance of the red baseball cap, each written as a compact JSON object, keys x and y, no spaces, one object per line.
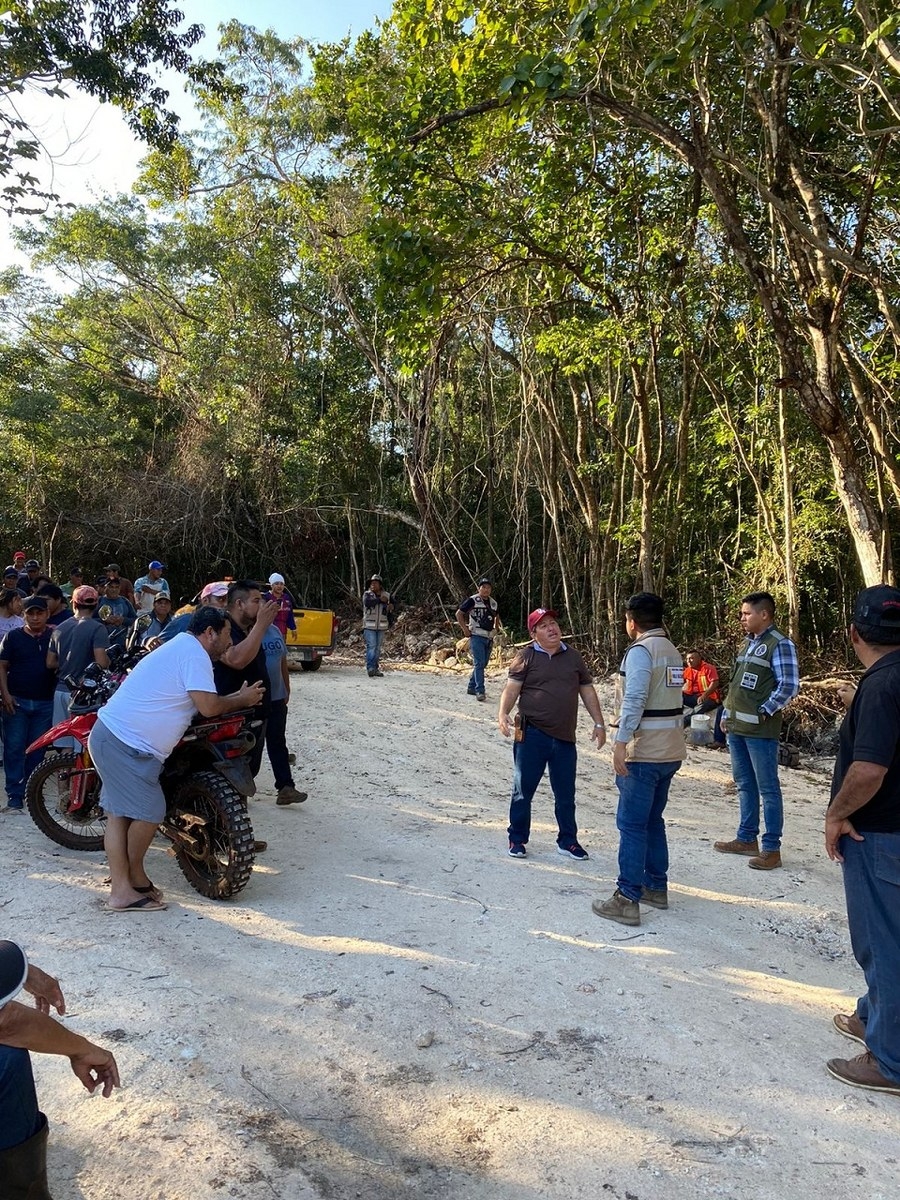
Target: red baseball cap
{"x":538,"y":615}
{"x":19,"y":554}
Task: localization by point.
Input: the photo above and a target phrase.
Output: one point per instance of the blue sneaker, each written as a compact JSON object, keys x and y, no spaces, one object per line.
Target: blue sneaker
{"x":573,"y":850}
{"x":517,"y":850}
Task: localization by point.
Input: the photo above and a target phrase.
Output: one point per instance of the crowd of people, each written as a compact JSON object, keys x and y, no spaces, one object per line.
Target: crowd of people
{"x":229,"y":652}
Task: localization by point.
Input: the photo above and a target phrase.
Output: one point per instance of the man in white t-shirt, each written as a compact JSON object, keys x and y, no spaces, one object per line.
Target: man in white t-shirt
{"x":137,"y":731}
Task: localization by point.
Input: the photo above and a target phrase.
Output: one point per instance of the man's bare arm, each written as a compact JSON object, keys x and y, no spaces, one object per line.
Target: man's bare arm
{"x":508,"y":698}
{"x":244,"y":652}
{"x":210,"y":704}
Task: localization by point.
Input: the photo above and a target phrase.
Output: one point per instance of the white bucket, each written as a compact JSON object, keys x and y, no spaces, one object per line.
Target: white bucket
{"x":701,"y":729}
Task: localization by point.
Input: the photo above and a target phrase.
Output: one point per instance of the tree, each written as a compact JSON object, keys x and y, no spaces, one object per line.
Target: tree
{"x":107,"y":48}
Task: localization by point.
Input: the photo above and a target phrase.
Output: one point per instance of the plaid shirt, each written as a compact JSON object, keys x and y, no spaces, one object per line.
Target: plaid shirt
{"x":786,"y":670}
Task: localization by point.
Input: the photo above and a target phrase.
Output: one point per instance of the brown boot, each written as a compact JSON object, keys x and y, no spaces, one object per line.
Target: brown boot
{"x":618,"y":908}
{"x":736,"y":847}
{"x":767,"y":861}
{"x":862,"y":1072}
{"x":290,"y":795}
{"x":850,"y":1026}
{"x":657,"y":897}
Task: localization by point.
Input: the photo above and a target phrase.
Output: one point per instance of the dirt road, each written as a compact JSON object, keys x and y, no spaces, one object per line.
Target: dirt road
{"x":395,"y":1008}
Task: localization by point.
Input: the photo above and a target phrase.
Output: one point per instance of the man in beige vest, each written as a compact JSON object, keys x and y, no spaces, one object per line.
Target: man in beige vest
{"x":647,"y":751}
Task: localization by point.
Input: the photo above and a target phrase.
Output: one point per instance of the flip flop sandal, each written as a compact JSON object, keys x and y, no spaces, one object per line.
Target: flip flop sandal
{"x":145,"y":904}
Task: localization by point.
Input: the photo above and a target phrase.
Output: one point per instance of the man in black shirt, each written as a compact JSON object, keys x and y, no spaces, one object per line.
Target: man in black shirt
{"x":862,"y":832}
{"x":249,"y":616}
{"x":26,"y":688}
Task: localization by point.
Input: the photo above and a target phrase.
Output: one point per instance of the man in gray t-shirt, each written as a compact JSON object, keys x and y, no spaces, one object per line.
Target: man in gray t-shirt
{"x":74,"y":645}
{"x":275,"y":650}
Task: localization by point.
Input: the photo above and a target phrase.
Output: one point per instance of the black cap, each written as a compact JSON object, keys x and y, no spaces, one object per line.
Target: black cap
{"x":35,"y":602}
{"x":484,"y":579}
{"x":878,"y":606}
{"x":76,"y":570}
{"x":13,"y":970}
{"x":10,"y":571}
{"x":32,"y":565}
{"x":375,"y":579}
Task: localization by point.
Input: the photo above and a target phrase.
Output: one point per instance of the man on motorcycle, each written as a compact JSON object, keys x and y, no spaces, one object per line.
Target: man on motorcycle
{"x":136,"y":732}
{"x":73,"y":647}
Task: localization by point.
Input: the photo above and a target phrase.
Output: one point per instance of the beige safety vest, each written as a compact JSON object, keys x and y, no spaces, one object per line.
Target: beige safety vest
{"x":660,"y":735}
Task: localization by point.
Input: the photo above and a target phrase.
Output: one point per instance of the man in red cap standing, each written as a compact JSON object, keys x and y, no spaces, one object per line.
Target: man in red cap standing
{"x":547,"y":678}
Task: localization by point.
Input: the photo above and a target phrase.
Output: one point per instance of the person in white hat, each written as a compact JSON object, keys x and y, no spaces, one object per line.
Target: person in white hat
{"x":284,"y":617}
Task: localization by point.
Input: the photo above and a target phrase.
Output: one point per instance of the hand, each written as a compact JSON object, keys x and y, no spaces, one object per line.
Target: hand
{"x":619,"y":765}
{"x":268,"y":610}
{"x":45,"y":989}
{"x":835,"y":829}
{"x":846,"y":692}
{"x":152,"y":643}
{"x":9,"y":704}
{"x":114,"y":620}
{"x":599,"y":736}
{"x":95,"y":1066}
{"x":252,"y":694}
{"x":503,"y":723}
{"x":723,"y":725}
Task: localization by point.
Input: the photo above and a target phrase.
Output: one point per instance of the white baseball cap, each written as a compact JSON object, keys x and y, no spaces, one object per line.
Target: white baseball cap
{"x":276,"y":578}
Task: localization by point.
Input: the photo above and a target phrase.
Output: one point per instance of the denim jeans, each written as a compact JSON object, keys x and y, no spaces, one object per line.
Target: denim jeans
{"x":276,"y":745}
{"x":872,"y":888}
{"x":481,"y":651}
{"x":643,"y":849}
{"x":373,"y":639}
{"x":531,"y":757}
{"x":18,"y":1099}
{"x":20,"y":729}
{"x":754,"y":765}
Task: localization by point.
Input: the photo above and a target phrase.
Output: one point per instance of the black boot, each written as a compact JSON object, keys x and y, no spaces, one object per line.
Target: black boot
{"x":23,"y":1168}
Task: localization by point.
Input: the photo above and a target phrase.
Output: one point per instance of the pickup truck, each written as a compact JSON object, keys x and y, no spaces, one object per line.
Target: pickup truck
{"x":313,"y":638}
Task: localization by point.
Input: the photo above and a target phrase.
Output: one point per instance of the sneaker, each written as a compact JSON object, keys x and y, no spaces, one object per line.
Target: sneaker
{"x":573,"y":850}
{"x":516,"y":850}
{"x":480,"y":696}
{"x":862,"y":1072}
{"x":377,"y":674}
{"x":767,"y":861}
{"x":12,"y":808}
{"x":850,"y":1026}
{"x":290,"y":795}
{"x":737,"y":847}
{"x":656,"y":897}
{"x":618,"y":908}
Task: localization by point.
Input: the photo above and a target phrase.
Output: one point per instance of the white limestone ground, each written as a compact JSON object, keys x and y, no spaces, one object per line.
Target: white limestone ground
{"x":395,"y":1008}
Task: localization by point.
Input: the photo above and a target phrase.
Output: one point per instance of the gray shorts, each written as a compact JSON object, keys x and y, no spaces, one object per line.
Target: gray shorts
{"x":129,"y":778}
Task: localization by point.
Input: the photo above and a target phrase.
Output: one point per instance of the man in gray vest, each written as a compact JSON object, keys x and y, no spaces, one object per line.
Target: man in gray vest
{"x":377,"y":604}
{"x":766,"y":676}
{"x":648,"y":750}
{"x":479,"y":620}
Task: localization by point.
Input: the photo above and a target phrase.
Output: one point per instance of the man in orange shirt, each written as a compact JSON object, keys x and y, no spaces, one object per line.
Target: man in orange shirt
{"x":701,"y":689}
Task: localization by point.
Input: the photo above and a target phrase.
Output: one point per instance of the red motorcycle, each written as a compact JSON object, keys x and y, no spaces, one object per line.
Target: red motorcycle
{"x":206,"y":781}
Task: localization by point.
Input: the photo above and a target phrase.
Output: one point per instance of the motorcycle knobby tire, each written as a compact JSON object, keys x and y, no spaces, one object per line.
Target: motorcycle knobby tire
{"x":224,"y":864}
{"x":43,"y":805}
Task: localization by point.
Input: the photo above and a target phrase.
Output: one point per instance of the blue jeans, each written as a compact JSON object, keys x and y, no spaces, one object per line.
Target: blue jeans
{"x":20,"y":729}
{"x":872,"y":888}
{"x":531,"y":757}
{"x":643,"y":849}
{"x":373,"y":639}
{"x":481,"y":651}
{"x":18,"y":1099}
{"x":754,"y":765}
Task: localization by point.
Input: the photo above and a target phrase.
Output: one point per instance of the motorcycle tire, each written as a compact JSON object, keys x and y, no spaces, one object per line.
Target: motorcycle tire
{"x":222,"y":864}
{"x":49,"y":791}
{"x":310,"y":666}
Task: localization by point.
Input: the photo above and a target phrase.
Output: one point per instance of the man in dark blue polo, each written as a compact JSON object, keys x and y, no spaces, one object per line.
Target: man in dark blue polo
{"x":26,"y":688}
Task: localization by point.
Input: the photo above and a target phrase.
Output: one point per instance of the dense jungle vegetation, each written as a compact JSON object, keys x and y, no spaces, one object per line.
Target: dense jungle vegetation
{"x":590,"y":297}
